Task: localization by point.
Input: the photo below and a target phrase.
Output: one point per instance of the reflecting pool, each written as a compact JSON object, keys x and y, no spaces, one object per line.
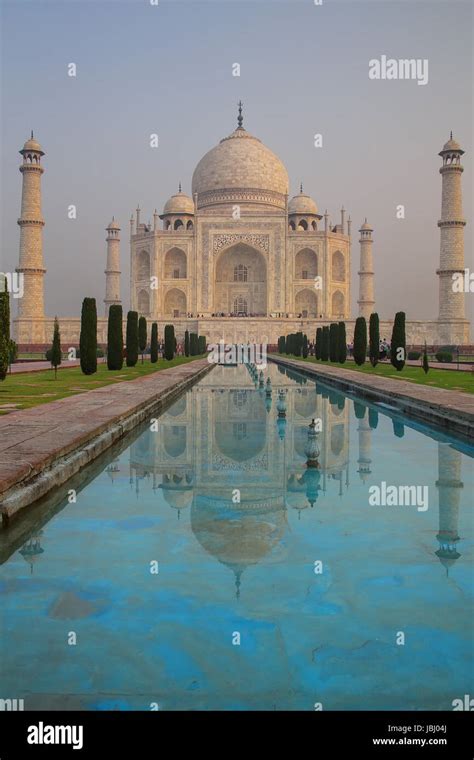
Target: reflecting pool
{"x":204,"y":565}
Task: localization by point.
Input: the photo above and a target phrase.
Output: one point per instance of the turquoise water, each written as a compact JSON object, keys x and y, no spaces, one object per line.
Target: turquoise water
{"x":167,"y":500}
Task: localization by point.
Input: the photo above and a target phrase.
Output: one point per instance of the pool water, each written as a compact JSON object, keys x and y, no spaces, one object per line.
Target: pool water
{"x":204,"y":566}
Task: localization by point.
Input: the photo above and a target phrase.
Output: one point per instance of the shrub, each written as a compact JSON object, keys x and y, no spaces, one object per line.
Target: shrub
{"x":414,"y":355}
{"x":333,"y":341}
{"x":325,"y":344}
{"x":4,"y":328}
{"x":193,"y":344}
{"x":100,"y":353}
{"x":13,"y":353}
{"x":132,"y":338}
{"x":304,"y":347}
{"x":142,"y":335}
{"x":374,"y":339}
{"x":360,"y":341}
{"x":88,"y":337}
{"x":154,"y":343}
{"x":169,"y":342}
{"x":425,"y":363}
{"x":342,"y":343}
{"x":443,"y":356}
{"x":115,"y":338}
{"x":398,"y":344}
{"x":318,"y":344}
{"x":56,"y":348}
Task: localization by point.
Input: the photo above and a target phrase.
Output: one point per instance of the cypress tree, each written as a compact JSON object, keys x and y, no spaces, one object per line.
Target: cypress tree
{"x":298,"y":344}
{"x":342,"y":343}
{"x":88,"y":337}
{"x":56,"y":348}
{"x":193,"y":344}
{"x":186,"y":343}
{"x":317,"y":348}
{"x":202,"y":344}
{"x":169,"y":342}
{"x":374,"y":339}
{"x":304,"y":348}
{"x":360,"y":341}
{"x":115,"y":338}
{"x":142,"y":335}
{"x":132,"y":338}
{"x":325,"y":344}
{"x":4,"y":328}
{"x":398,"y":345}
{"x":154,"y":343}
{"x":425,"y":365}
{"x":334,"y":341}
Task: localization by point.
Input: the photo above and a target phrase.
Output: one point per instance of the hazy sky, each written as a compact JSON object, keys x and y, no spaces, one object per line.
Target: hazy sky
{"x":168,"y":69}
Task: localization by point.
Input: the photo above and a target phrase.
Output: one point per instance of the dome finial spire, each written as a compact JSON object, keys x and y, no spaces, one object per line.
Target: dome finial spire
{"x":240,"y":118}
{"x":31,"y":135}
{"x":179,"y":187}
{"x":301,"y":187}
{"x":451,"y":135}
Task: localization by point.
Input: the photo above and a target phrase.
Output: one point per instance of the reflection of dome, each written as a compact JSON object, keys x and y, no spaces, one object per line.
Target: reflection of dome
{"x":179,"y":203}
{"x":237,"y":537}
{"x":178,"y":491}
{"x":32,"y":549}
{"x":241,"y":163}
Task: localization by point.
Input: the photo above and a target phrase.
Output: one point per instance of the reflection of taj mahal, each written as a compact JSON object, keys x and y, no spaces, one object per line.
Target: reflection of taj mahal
{"x":237,"y":448}
{"x":239,"y":259}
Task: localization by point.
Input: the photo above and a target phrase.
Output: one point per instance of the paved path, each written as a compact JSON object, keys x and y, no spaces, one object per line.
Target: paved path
{"x":453,"y":410}
{"x":39,"y":366}
{"x":69,"y":433}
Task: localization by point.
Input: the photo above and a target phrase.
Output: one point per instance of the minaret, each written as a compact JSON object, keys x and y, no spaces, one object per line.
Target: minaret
{"x":449,"y":487}
{"x":451,"y":225}
{"x":112,"y":272}
{"x":31,"y":267}
{"x":365,"y":439}
{"x":366,"y":274}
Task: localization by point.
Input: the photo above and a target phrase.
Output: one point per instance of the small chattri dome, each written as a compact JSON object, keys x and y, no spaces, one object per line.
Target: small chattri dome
{"x":33,"y":145}
{"x":451,"y":144}
{"x":113,"y":225}
{"x":302,"y":204}
{"x":179,"y":203}
{"x":366,"y":225}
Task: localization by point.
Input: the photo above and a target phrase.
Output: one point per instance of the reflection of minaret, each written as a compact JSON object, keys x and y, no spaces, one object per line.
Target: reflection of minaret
{"x":32,"y":549}
{"x":449,"y":487}
{"x":365,"y":438}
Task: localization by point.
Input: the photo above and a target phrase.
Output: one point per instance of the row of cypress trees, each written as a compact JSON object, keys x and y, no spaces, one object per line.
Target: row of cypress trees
{"x":194,"y":344}
{"x":331,"y":342}
{"x":398,"y":342}
{"x":295,"y":343}
{"x":135,"y":340}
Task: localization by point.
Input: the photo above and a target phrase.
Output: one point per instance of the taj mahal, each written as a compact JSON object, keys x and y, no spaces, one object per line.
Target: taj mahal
{"x":238,"y":260}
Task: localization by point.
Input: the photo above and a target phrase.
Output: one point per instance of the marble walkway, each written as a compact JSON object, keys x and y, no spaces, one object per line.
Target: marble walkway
{"x":33,"y":441}
{"x":452,"y":410}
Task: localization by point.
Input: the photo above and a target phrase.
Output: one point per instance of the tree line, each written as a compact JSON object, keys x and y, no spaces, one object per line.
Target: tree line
{"x":331,"y":344}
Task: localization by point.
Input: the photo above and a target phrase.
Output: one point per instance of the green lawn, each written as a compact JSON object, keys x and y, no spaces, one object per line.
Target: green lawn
{"x":438,"y":378}
{"x":28,"y":389}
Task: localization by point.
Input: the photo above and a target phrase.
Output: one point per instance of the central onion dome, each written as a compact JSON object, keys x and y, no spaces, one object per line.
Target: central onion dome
{"x":240,"y":169}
